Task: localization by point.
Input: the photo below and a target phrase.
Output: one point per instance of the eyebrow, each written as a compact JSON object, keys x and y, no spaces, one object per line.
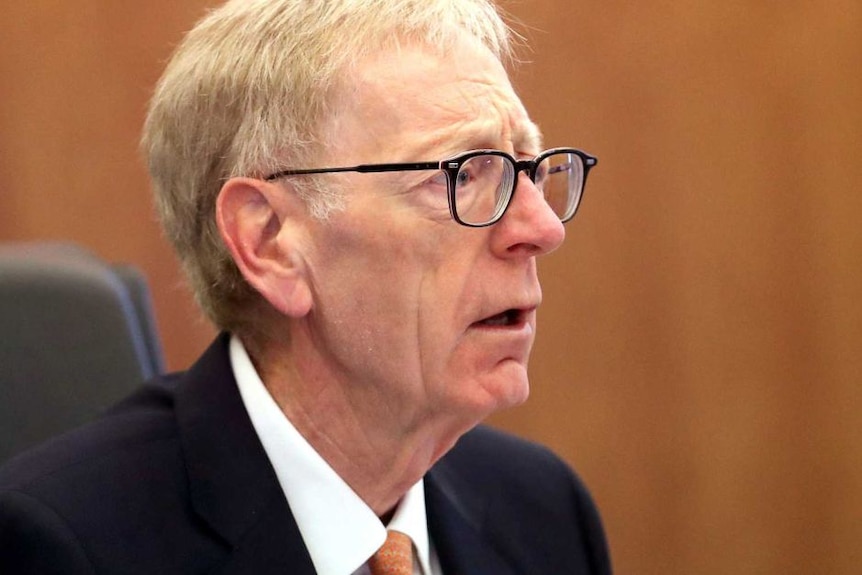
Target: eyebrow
{"x":526,"y":137}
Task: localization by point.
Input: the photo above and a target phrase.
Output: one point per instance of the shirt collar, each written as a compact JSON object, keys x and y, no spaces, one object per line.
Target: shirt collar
{"x":329,"y":514}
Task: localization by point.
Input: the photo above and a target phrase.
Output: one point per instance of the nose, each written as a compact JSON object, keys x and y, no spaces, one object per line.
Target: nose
{"x":529,"y":227}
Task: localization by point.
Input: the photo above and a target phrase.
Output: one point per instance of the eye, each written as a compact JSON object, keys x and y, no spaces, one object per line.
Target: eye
{"x":474,"y":170}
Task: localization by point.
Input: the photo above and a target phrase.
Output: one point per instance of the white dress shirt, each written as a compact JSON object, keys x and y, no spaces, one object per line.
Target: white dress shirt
{"x":329,"y":514}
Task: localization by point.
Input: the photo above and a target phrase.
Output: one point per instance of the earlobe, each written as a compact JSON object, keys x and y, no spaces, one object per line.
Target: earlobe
{"x":261,"y":227}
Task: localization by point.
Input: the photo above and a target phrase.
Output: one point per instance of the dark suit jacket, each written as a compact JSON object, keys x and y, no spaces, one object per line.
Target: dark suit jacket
{"x":174,"y":480}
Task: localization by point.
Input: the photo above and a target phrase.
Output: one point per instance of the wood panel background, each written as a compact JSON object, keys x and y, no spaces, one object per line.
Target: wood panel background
{"x":699,"y":355}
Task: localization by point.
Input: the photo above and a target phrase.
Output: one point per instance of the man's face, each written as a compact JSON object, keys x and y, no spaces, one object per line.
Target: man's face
{"x":413,"y":313}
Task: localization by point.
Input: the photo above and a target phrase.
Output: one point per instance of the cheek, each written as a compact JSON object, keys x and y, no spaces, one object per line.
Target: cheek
{"x":395,"y":255}
{"x":449,"y":297}
{"x":397,"y":288}
{"x":369,"y":273}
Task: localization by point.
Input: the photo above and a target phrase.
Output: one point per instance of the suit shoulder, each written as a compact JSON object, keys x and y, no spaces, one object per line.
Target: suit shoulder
{"x":515,"y":469}
{"x":531,"y":497}
{"x":34,"y":539}
{"x":131,"y":426}
{"x":489,"y":450}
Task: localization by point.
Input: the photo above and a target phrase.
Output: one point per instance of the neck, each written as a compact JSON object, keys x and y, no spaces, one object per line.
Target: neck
{"x":379,"y":456}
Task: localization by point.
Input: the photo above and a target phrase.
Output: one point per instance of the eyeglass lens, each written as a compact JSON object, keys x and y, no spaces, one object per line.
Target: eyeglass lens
{"x":560,"y":176}
{"x":484,"y":185}
{"x":482,"y":188}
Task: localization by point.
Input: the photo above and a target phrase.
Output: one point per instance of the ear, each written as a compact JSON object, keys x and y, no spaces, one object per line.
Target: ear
{"x":261,"y":225}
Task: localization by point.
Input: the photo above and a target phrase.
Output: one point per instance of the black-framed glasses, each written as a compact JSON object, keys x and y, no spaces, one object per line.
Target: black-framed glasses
{"x":481,"y":183}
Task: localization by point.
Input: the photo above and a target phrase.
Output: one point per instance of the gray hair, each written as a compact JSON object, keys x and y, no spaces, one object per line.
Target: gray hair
{"x":247,"y":92}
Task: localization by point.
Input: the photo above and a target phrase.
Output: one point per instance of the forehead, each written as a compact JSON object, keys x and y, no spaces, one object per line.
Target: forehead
{"x":415,"y":102}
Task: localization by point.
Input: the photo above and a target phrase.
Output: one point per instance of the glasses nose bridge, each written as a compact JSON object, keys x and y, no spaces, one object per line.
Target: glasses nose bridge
{"x":528,"y":166}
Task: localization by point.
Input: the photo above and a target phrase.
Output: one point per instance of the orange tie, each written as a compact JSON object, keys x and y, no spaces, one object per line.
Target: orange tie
{"x":395,"y":557}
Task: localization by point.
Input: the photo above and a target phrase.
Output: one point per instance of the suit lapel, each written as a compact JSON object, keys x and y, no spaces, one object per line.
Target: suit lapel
{"x":456,"y":525}
{"x":233,"y":486}
{"x":272,"y":545}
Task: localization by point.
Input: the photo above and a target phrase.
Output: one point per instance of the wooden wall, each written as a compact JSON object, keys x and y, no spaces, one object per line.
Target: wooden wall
{"x":698,"y":357}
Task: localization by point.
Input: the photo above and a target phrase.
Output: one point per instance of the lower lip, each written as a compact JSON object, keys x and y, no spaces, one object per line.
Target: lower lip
{"x":503,"y":342}
{"x":523,"y":327}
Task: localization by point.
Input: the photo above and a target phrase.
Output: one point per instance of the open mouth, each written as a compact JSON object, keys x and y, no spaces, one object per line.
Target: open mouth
{"x":508,"y":318}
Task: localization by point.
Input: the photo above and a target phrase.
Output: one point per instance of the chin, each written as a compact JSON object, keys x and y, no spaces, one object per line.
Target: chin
{"x":469,"y":399}
{"x":507,"y":386}
{"x":516,"y":395}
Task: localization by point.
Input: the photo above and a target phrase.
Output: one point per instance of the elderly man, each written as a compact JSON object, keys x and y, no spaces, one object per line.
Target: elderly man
{"x":358,"y":197}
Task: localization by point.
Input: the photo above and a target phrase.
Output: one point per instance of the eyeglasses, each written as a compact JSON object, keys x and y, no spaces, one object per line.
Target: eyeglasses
{"x":481,"y":183}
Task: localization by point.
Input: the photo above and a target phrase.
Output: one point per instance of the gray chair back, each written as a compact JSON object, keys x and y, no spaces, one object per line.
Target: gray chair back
{"x":76,"y":335}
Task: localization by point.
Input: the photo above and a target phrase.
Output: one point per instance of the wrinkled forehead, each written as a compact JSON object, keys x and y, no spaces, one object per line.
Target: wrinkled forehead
{"x":412,"y":98}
